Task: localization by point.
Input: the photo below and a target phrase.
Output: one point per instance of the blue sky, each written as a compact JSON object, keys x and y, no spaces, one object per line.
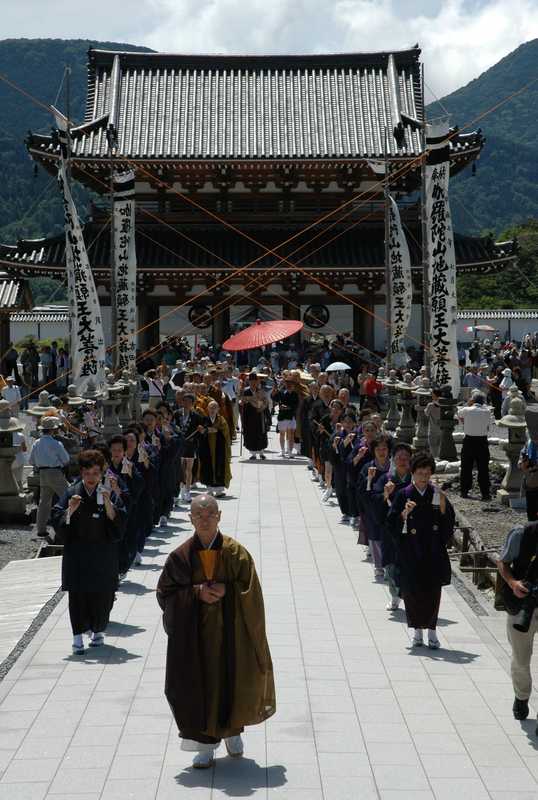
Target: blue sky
{"x":460,"y":38}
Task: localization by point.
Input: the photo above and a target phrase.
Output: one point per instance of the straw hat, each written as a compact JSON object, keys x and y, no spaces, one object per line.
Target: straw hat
{"x":49,"y":423}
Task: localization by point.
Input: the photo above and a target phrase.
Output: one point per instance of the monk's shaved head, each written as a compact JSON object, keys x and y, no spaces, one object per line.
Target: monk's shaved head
{"x":204,"y":502}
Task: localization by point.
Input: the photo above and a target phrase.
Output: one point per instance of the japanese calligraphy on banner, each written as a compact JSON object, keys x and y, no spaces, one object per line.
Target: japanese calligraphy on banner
{"x":87,"y":340}
{"x":402,"y":290}
{"x":125,"y":269}
{"x":441,"y":261}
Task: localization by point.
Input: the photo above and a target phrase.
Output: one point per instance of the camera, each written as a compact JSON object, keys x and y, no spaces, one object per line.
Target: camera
{"x":524,"y":618}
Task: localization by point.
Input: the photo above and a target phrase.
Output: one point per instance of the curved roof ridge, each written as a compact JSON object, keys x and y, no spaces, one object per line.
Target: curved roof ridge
{"x":410,"y":54}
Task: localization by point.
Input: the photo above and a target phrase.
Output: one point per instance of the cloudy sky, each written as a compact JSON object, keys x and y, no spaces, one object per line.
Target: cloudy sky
{"x":459,"y":38}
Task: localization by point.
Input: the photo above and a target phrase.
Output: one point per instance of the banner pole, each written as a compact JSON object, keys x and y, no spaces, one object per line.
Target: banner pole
{"x":388,"y":275}
{"x":68,"y":179}
{"x":111,"y":136}
{"x":425,"y":248}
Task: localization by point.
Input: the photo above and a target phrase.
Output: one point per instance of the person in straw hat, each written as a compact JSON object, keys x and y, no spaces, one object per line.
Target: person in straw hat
{"x":50,"y":458}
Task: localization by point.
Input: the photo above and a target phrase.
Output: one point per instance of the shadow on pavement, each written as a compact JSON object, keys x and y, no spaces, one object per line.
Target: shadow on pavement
{"x":123,"y":629}
{"x":450,"y":656}
{"x":529,"y":727}
{"x":236,"y":777}
{"x":104,"y":655}
{"x":131,"y":587}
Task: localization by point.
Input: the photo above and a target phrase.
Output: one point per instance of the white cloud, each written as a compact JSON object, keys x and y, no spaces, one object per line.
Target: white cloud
{"x":459,"y":38}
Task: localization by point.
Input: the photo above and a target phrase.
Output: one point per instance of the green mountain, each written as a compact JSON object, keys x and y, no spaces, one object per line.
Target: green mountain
{"x":29,"y":202}
{"x":504,"y":191}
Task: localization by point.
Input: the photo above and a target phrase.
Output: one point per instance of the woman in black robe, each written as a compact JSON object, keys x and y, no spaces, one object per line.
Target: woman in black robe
{"x":125,"y":471}
{"x":89,"y":519}
{"x":421,"y":520}
{"x":342,"y":443}
{"x":140,"y":454}
{"x":306,"y":433}
{"x":253,"y":419}
{"x":384,"y":494}
{"x":370,"y":473}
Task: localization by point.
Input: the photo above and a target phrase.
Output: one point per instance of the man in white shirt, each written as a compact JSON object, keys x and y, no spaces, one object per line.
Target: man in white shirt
{"x":12,"y":394}
{"x":476,"y":419}
{"x":230,"y":386}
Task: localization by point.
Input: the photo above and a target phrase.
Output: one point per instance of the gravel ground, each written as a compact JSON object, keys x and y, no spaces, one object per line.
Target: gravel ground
{"x":17,"y":544}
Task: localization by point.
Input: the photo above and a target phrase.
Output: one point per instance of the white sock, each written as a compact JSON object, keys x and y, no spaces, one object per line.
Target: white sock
{"x":77,"y":640}
{"x":432,"y":633}
{"x":418,"y":633}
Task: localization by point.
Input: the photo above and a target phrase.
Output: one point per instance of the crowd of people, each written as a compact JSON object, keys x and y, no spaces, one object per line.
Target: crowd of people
{"x":130,"y":483}
{"x":124,"y":488}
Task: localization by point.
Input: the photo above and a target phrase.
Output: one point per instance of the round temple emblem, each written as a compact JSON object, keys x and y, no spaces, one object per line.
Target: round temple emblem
{"x":200,"y":316}
{"x":316,"y":316}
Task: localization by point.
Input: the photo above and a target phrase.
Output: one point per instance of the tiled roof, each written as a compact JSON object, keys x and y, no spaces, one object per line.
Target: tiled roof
{"x":320,"y":106}
{"x":498,"y":313}
{"x":11,"y":292}
{"x":42,"y":314}
{"x":254,"y":108}
{"x":159,"y":247}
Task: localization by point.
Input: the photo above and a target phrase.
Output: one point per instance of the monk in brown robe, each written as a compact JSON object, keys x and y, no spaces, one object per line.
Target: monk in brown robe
{"x":219,"y":673}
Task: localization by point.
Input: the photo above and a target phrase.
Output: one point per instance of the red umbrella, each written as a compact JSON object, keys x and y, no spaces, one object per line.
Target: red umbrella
{"x":262,"y":333}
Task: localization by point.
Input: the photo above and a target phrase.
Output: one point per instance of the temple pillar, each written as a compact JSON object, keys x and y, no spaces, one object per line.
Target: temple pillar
{"x":291,"y":309}
{"x":220,"y":323}
{"x":4,"y":334}
{"x":363,"y":324}
{"x":149,"y":337}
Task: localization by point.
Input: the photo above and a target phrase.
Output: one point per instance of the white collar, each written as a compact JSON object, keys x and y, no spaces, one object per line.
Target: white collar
{"x":421,"y":492}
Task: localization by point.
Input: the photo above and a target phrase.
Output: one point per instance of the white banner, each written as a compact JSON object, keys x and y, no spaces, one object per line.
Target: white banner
{"x":441,"y":261}
{"x":125,"y":270}
{"x":87,"y":340}
{"x":401,"y":285}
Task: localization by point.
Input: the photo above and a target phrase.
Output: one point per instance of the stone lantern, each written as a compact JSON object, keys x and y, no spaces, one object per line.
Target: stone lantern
{"x":42,"y":406}
{"x":447,"y":423}
{"x":423,"y":395}
{"x":393,"y":416}
{"x":406,"y":426}
{"x":91,"y":392}
{"x":111,"y":404}
{"x":14,"y":505}
{"x":136,"y":399}
{"x":514,"y":421}
{"x":73,"y":398}
{"x":125,"y":395}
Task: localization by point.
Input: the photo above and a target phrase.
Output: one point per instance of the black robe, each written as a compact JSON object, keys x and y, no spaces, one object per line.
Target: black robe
{"x":90,"y":562}
{"x":306,"y":433}
{"x":421,"y":552}
{"x":134,"y":485}
{"x":254,"y":425}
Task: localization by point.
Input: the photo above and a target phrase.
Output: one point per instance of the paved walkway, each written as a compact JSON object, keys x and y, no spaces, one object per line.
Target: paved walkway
{"x":25,"y":587}
{"x":360,"y":715}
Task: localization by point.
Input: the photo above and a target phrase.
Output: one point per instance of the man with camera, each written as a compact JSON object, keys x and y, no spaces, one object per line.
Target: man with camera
{"x":518,"y":566}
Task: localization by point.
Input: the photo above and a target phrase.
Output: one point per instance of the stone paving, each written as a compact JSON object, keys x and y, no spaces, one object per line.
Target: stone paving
{"x":360,"y":715}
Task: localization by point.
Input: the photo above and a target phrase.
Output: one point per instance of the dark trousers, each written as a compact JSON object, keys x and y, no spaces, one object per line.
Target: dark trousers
{"x":532,"y":504}
{"x":90,"y":611}
{"x":422,"y":607}
{"x":475,"y":450}
{"x":340,"y":487}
